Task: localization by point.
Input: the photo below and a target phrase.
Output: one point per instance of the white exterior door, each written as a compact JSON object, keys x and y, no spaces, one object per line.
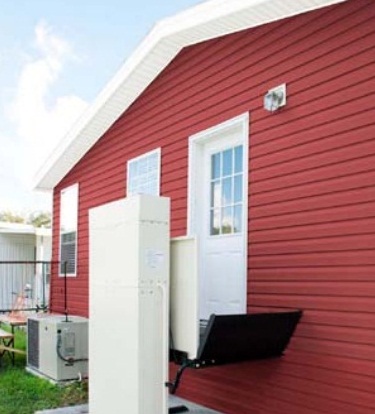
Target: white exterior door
{"x":218,"y":215}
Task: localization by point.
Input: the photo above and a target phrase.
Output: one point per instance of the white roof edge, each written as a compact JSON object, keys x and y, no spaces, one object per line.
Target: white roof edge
{"x":16,"y":228}
{"x":22,"y":228}
{"x":205,"y":21}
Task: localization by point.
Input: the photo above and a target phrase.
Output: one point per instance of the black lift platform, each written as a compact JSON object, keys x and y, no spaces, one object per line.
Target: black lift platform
{"x":236,"y":338}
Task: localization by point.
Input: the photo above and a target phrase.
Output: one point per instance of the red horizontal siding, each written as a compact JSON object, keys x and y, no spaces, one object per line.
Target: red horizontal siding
{"x":311,"y":197}
{"x":322,"y":194}
{"x":314,"y":231}
{"x":358,"y":289}
{"x":310,"y":169}
{"x":336,"y":135}
{"x":336,"y":215}
{"x":334,"y":363}
{"x":343,"y":334}
{"x":278,"y":385}
{"x":325,"y":274}
{"x":314,"y":166}
{"x":310,"y":302}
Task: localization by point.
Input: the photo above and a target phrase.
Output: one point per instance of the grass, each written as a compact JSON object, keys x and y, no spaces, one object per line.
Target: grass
{"x":23,"y":393}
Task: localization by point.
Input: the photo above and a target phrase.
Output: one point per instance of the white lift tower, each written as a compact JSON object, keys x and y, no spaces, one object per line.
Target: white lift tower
{"x":129,"y":285}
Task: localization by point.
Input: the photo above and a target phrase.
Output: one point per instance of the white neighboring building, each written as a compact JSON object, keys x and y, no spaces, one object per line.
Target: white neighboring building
{"x":24,"y":243}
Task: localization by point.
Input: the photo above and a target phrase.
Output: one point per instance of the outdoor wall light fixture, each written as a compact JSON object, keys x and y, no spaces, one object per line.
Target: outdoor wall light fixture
{"x":275,"y":98}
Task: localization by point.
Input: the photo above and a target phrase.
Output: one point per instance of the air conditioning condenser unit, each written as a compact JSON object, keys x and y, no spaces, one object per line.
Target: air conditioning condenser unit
{"x":57,"y":346}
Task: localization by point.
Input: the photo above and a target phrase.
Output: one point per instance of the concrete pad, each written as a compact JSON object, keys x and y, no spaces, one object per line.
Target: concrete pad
{"x":77,"y":409}
{"x":173,"y":401}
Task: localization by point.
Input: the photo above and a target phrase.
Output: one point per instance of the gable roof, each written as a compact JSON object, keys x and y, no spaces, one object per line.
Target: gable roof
{"x":206,"y":21}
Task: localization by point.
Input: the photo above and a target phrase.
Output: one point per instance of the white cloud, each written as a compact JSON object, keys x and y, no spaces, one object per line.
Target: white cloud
{"x":39,"y":123}
{"x":39,"y":117}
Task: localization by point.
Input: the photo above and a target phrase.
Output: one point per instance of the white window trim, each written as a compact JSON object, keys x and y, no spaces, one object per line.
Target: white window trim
{"x":76,"y":247}
{"x":196,"y":149}
{"x":156,"y":151}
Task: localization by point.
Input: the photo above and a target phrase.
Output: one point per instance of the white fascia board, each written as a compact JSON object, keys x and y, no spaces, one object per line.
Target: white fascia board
{"x":205,"y":21}
{"x":16,"y":228}
{"x":221,"y":17}
{"x":25,"y":231}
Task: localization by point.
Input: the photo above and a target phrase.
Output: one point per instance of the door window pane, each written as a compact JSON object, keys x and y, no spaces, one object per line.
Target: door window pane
{"x":238,"y":189}
{"x":215,"y":222}
{"x":227,"y":220}
{"x":215,"y":166}
{"x":227,"y":162}
{"x":215,"y":194}
{"x":237,"y":219}
{"x":227,"y":191}
{"x":238,"y":159}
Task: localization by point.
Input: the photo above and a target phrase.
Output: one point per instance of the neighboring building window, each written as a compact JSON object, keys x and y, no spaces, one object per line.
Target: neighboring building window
{"x":144,"y":174}
{"x":68,"y":230}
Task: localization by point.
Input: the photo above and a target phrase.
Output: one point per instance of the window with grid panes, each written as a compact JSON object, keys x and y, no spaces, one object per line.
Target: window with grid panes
{"x":226,"y":191}
{"x":144,"y":174}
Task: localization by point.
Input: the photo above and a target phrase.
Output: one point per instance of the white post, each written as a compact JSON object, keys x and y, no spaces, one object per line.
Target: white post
{"x":129,"y":285}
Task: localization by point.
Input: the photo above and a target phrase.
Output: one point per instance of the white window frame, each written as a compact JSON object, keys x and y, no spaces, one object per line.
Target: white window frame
{"x":156,"y":151}
{"x":65,"y":190}
{"x":198,"y":144}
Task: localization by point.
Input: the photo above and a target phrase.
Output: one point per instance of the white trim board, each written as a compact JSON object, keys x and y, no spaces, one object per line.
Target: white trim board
{"x":208,"y":20}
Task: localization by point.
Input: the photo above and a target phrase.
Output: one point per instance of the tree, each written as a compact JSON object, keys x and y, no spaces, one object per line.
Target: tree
{"x":36,"y":218}
{"x":10,"y":217}
{"x":40,"y":219}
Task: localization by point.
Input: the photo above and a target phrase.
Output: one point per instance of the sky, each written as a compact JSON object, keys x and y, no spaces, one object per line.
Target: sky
{"x":55,"y":57}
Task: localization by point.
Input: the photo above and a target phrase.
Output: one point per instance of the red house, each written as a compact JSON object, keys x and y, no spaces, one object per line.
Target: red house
{"x":278,"y":185}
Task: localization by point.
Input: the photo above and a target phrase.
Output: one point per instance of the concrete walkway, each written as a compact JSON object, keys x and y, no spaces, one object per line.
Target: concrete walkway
{"x":173,"y":401}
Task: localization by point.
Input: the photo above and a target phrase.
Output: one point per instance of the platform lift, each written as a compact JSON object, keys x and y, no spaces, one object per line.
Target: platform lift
{"x":228,"y":339}
{"x":129,"y":335}
{"x":223,"y":339}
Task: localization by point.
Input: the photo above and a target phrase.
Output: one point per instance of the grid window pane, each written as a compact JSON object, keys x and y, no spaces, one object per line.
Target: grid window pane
{"x":238,"y":189}
{"x":215,"y":166}
{"x":238,"y":159}
{"x":227,"y":220}
{"x":215,"y":222}
{"x":227,"y":191}
{"x":215,"y":194}
{"x":237,"y":219}
{"x":227,"y":162}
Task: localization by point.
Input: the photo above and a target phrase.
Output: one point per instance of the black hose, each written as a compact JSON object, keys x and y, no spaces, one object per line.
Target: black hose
{"x":174,"y":385}
{"x":70,"y":361}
